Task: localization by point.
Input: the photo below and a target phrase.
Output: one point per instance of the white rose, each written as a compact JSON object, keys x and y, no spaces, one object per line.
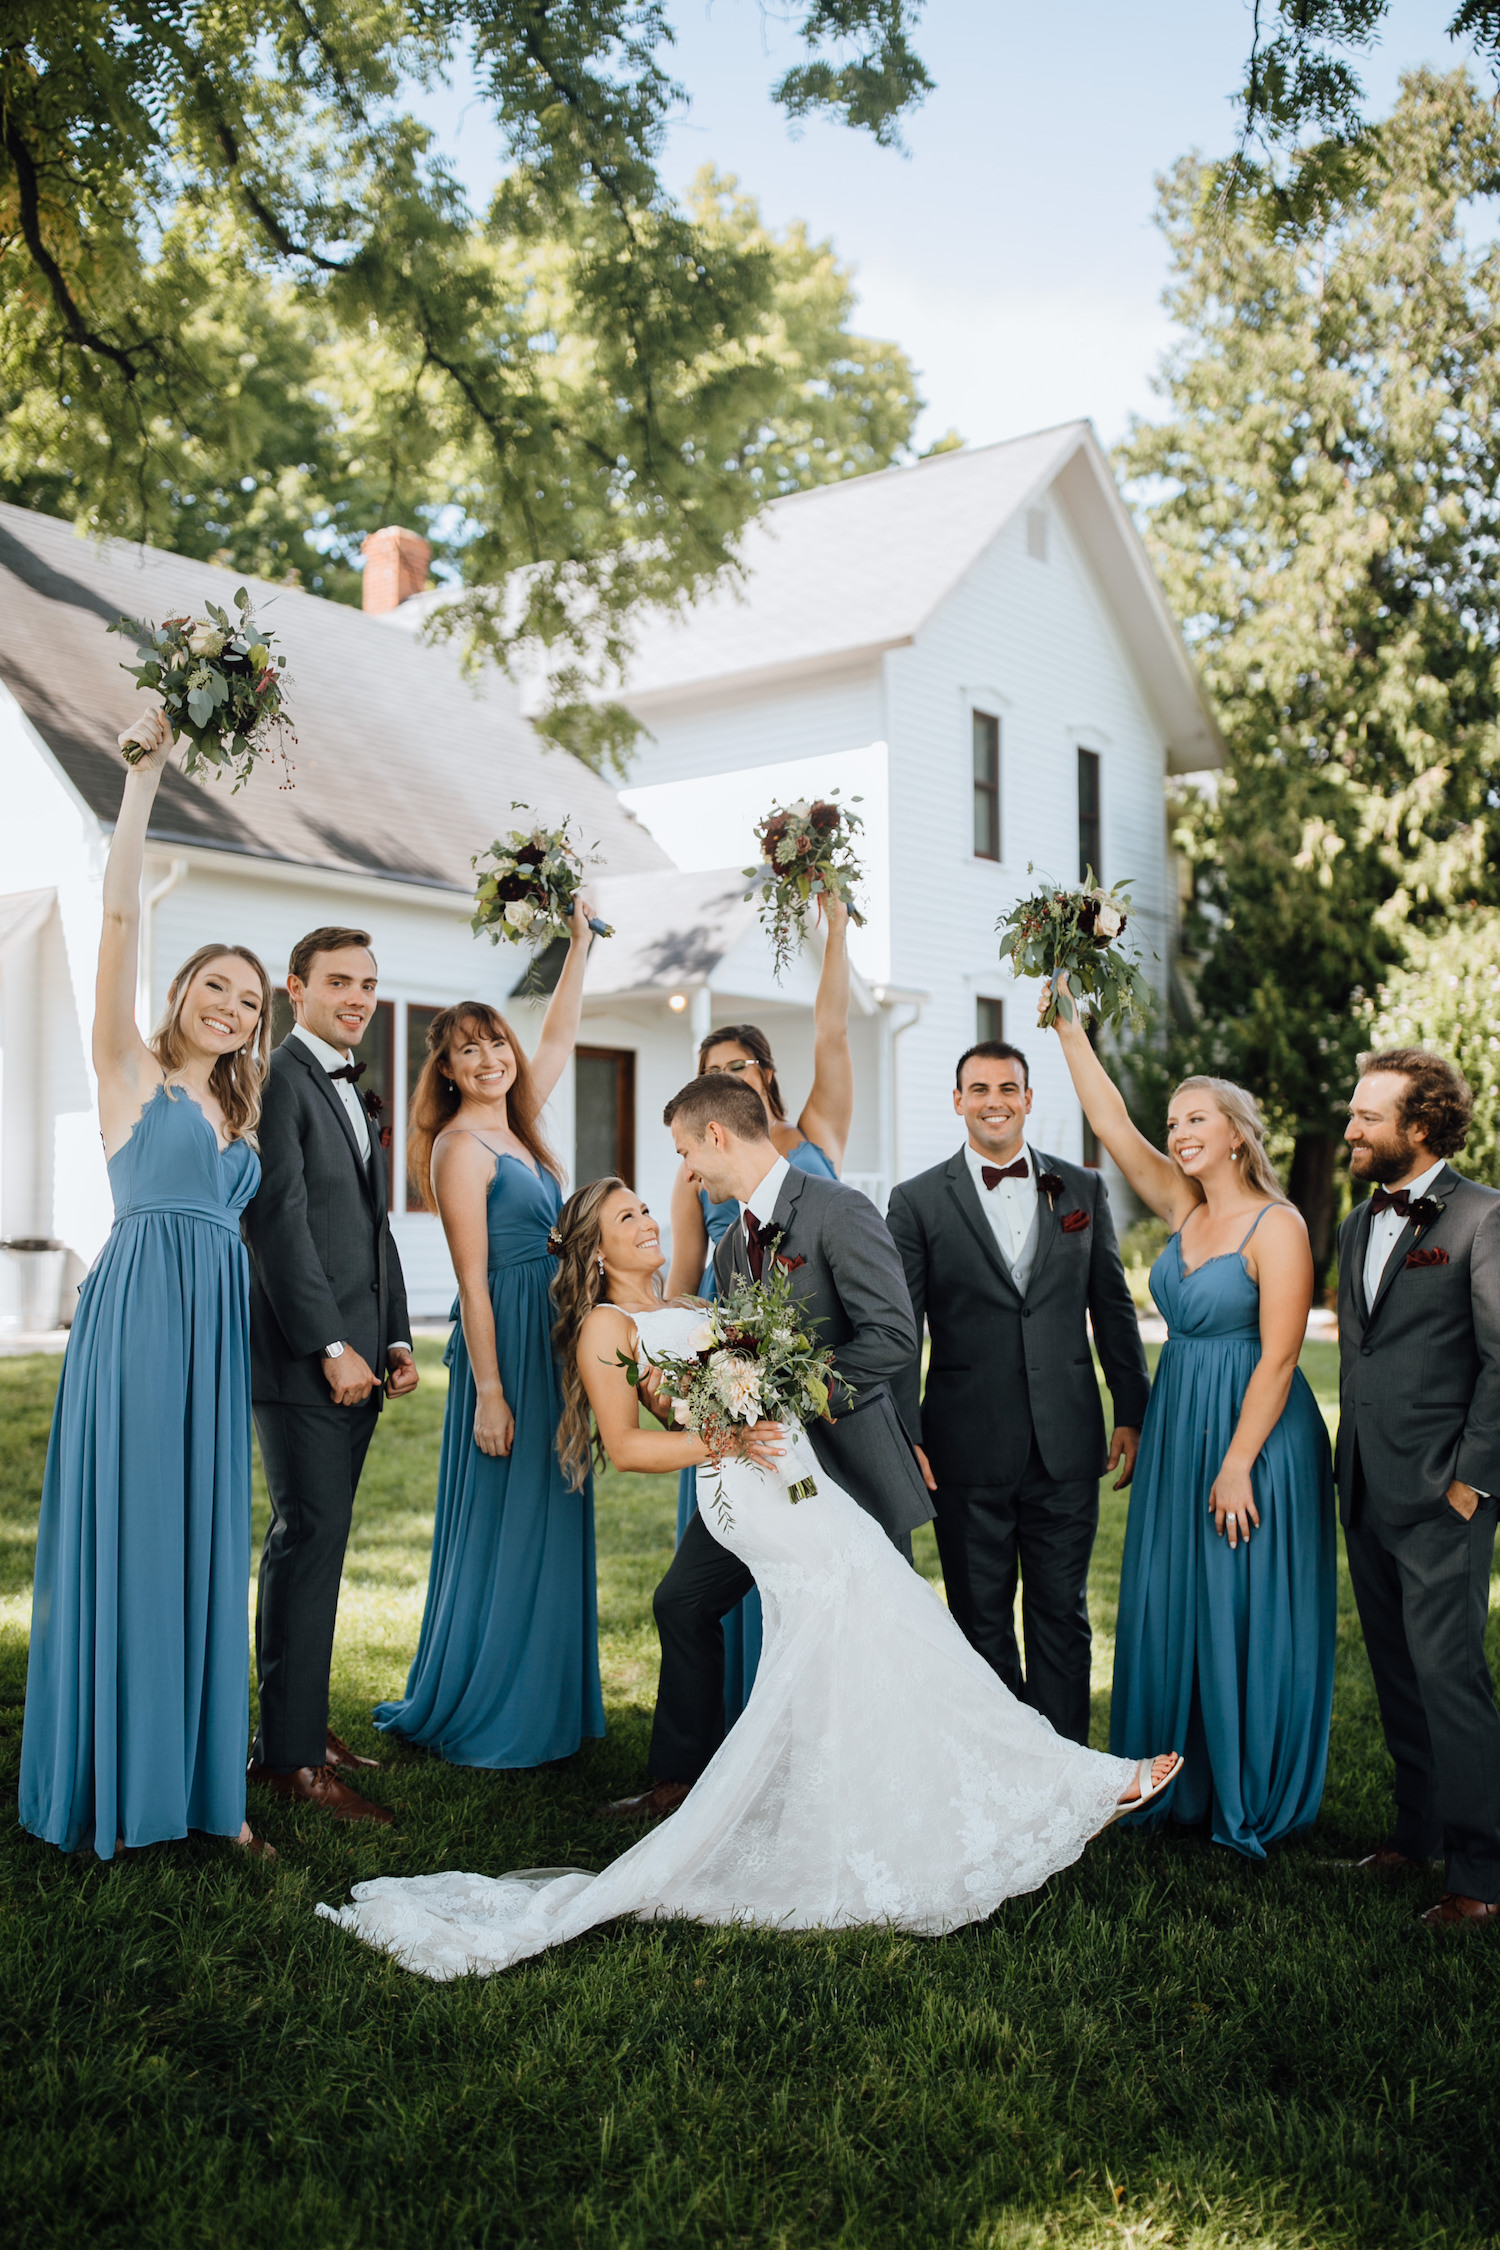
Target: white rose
{"x":702,"y":1338}
{"x":520,"y":914}
{"x":206,"y":640}
{"x":680,"y":1411}
{"x":800,"y":810}
{"x":1109,"y":921}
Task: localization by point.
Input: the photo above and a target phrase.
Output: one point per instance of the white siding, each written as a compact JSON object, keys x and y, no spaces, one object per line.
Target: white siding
{"x":749,"y":727}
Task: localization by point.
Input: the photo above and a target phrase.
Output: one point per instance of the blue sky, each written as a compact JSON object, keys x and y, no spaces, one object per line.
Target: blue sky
{"x":1011,"y":251}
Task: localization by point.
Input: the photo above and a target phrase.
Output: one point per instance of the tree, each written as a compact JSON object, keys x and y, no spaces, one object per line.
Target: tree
{"x":209,"y":212}
{"x":1322,"y":506}
{"x":1447,"y":995}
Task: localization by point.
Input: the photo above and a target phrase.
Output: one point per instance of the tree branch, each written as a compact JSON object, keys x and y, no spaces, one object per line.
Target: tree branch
{"x":29,"y":200}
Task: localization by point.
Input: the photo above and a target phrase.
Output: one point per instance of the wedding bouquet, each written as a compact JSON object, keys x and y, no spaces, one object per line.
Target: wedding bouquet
{"x":749,"y":1361}
{"x":808,"y":853}
{"x":528,"y":881}
{"x":1080,"y":932}
{"x":220,"y":685}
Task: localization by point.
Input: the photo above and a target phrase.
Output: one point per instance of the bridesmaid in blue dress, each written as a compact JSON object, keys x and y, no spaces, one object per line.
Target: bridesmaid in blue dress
{"x":506,"y":1672}
{"x":1225,"y":1637}
{"x":816,"y":1143}
{"x":138,"y":1691}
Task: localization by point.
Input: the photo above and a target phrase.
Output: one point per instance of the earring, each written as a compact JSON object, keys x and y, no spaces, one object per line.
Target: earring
{"x":601,"y":1264}
{"x":1235,"y":1154}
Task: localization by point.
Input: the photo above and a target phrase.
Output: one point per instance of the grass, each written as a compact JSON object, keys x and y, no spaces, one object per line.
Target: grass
{"x":1166,"y":2046}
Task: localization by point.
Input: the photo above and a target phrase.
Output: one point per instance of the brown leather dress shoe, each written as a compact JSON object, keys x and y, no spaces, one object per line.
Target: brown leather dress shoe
{"x":652,"y":1804}
{"x":1453,"y":1908}
{"x":320,"y":1786}
{"x":338,"y":1753}
{"x":1388,"y":1862}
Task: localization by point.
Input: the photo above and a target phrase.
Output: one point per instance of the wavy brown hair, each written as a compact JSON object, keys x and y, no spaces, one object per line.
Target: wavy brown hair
{"x":435,"y":1103}
{"x":753,"y":1039}
{"x":576,"y":1288}
{"x":236,"y":1081}
{"x":1437,"y":1095}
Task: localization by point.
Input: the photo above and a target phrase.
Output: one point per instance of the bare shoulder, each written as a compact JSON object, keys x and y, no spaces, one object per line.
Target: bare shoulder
{"x":606,"y":1326}
{"x":1280,"y":1237}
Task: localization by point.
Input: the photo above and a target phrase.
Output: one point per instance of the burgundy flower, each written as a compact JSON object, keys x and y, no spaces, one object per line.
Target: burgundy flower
{"x":1425,"y":1210}
{"x":1050,"y":1184}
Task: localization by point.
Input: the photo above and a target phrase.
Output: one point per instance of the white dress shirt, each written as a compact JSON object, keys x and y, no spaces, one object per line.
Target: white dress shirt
{"x":348,"y":1093}
{"x":1385,"y":1227}
{"x":1010,"y":1206}
{"x":763,"y":1200}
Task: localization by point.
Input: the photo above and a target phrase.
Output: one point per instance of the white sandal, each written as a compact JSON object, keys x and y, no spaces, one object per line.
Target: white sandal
{"x":1148,"y":1791}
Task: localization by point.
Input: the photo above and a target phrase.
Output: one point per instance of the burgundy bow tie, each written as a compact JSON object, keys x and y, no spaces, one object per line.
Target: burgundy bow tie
{"x":993,"y":1174}
{"x":1397,"y":1200}
{"x":354,"y":1072}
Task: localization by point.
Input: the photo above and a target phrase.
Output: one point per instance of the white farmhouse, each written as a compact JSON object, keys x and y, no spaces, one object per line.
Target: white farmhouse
{"x":975,"y":646}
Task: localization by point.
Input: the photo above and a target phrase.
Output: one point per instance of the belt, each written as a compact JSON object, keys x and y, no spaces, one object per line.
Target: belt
{"x":213,"y":1213}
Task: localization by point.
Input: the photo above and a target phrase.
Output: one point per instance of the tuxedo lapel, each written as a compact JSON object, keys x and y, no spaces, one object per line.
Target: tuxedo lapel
{"x":1046,"y":1221}
{"x":961,"y":1187}
{"x":1359,"y":1244}
{"x":1396,"y":1262}
{"x":329,"y":1093}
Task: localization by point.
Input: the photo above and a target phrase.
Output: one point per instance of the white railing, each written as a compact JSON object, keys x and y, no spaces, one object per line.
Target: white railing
{"x":873,"y":1184}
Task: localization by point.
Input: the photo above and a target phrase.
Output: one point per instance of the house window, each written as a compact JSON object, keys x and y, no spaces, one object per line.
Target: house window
{"x":604,"y":1114}
{"x":986,"y":786}
{"x":989,"y":1019}
{"x":417,"y":1021}
{"x":1090,"y":846}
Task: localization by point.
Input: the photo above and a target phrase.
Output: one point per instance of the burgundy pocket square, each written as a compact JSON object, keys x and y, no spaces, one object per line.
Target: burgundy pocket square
{"x":1074,"y":1222}
{"x":1432,"y":1257}
{"x":789,"y":1265}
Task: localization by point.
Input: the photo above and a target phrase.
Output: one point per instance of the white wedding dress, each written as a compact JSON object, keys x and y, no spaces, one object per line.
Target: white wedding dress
{"x":880,"y":1772}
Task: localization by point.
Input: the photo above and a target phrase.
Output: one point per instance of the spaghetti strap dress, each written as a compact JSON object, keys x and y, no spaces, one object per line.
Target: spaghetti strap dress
{"x":1226,"y":1652}
{"x":506,"y":1672}
{"x":743,"y":1627}
{"x":138,"y":1688}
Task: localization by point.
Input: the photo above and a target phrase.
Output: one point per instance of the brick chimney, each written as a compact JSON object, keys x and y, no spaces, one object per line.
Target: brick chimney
{"x":395,"y":568}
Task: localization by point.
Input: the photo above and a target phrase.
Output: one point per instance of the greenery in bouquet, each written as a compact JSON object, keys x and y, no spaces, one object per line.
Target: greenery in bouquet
{"x":1080,"y":932}
{"x":807,"y":855}
{"x":751,"y":1360}
{"x":220,"y":685}
{"x":527,"y":882}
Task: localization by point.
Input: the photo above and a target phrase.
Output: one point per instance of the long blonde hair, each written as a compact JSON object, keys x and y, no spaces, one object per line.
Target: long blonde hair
{"x":1243,"y":1112}
{"x":577,"y":1288}
{"x":236,"y":1081}
{"x":435,"y":1102}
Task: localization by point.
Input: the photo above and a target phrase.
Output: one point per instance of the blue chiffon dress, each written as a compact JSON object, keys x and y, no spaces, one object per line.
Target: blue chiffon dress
{"x":138,"y":1689}
{"x":742,"y":1627}
{"x":506,"y":1672}
{"x":1226,"y":1653}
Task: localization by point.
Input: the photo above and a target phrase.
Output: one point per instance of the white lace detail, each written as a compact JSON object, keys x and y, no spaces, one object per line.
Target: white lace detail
{"x":880,"y":1772}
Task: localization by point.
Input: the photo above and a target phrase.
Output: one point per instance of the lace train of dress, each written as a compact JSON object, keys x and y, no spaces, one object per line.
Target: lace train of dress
{"x":881,"y":1773}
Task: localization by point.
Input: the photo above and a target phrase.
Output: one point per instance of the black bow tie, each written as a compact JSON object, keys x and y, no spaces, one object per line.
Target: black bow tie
{"x":354,"y":1072}
{"x":1398,"y":1201}
{"x":992,"y":1174}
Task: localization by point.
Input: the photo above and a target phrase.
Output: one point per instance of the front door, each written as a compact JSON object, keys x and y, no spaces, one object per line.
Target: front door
{"x":604,"y":1114}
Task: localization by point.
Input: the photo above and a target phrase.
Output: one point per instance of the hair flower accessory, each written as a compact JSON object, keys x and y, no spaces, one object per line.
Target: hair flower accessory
{"x":555,"y":1241}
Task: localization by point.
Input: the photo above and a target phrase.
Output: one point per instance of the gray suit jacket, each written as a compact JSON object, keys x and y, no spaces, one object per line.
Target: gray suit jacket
{"x":1004,"y":1365}
{"x":1419,"y":1370}
{"x":850,"y":1290}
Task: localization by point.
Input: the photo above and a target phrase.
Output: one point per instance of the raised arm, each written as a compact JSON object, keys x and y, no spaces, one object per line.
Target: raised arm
{"x":1152,"y":1174}
{"x":689,"y":1239}
{"x":828,"y":1111}
{"x":126,"y":1068}
{"x":560,"y":1024}
{"x":462,"y":1168}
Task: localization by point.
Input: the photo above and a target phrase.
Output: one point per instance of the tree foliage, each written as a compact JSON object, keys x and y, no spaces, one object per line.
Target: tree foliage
{"x":240,"y":294}
{"x":1447,"y":995}
{"x":1322,"y":505}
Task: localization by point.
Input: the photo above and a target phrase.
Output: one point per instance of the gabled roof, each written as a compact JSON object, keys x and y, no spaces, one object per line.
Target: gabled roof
{"x":402,"y":771}
{"x":836,"y":575}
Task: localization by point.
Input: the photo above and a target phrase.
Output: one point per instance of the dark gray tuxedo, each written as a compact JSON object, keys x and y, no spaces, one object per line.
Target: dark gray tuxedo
{"x":1011,"y":1421}
{"x":848,"y":1284}
{"x":1419,"y":1405}
{"x":323,"y":1270}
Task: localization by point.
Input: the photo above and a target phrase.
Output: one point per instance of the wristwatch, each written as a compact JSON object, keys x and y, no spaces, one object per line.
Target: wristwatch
{"x":333,"y":1351}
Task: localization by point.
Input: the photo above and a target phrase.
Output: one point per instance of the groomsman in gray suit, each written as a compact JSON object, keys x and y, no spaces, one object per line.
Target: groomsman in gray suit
{"x":1008,"y":1254}
{"x":1419,"y":1466}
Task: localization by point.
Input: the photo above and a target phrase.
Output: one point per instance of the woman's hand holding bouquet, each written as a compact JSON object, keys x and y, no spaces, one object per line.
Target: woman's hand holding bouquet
{"x":1071,"y":939}
{"x":220,"y":684}
{"x":808,"y":858}
{"x":529,"y":889}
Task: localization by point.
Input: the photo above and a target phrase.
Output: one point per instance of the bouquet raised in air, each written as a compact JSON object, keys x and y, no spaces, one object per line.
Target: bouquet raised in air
{"x":527,"y":882}
{"x":808,"y":854}
{"x":220,"y":685}
{"x":750,"y":1361}
{"x":1080,"y":932}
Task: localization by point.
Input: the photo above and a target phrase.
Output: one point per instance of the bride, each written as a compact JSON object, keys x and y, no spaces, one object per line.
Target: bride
{"x":880,"y":1773}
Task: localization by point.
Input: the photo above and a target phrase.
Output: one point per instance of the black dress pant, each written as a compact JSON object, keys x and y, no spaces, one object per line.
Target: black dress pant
{"x":1423,"y":1593}
{"x":702,"y":1585}
{"x":1042,"y":1532}
{"x":312,"y":1457}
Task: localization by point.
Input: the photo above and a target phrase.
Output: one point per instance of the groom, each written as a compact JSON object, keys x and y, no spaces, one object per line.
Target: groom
{"x":849,"y":1288}
{"x":328,"y":1327}
{"x":1419,"y":1466}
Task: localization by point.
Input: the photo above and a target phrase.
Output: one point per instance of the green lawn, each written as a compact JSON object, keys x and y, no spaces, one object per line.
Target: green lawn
{"x":1166,"y":2046}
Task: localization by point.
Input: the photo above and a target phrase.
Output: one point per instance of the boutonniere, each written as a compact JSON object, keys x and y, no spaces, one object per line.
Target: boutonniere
{"x":1074,"y":1222}
{"x":1425,"y":1210}
{"x":1432,"y":1257}
{"x":771,"y":1239}
{"x":375,"y":1110}
{"x":1050,"y":1184}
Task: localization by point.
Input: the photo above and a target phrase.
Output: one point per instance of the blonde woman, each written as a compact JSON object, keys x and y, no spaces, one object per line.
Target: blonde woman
{"x":138,"y":1695}
{"x":1225,"y":1634}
